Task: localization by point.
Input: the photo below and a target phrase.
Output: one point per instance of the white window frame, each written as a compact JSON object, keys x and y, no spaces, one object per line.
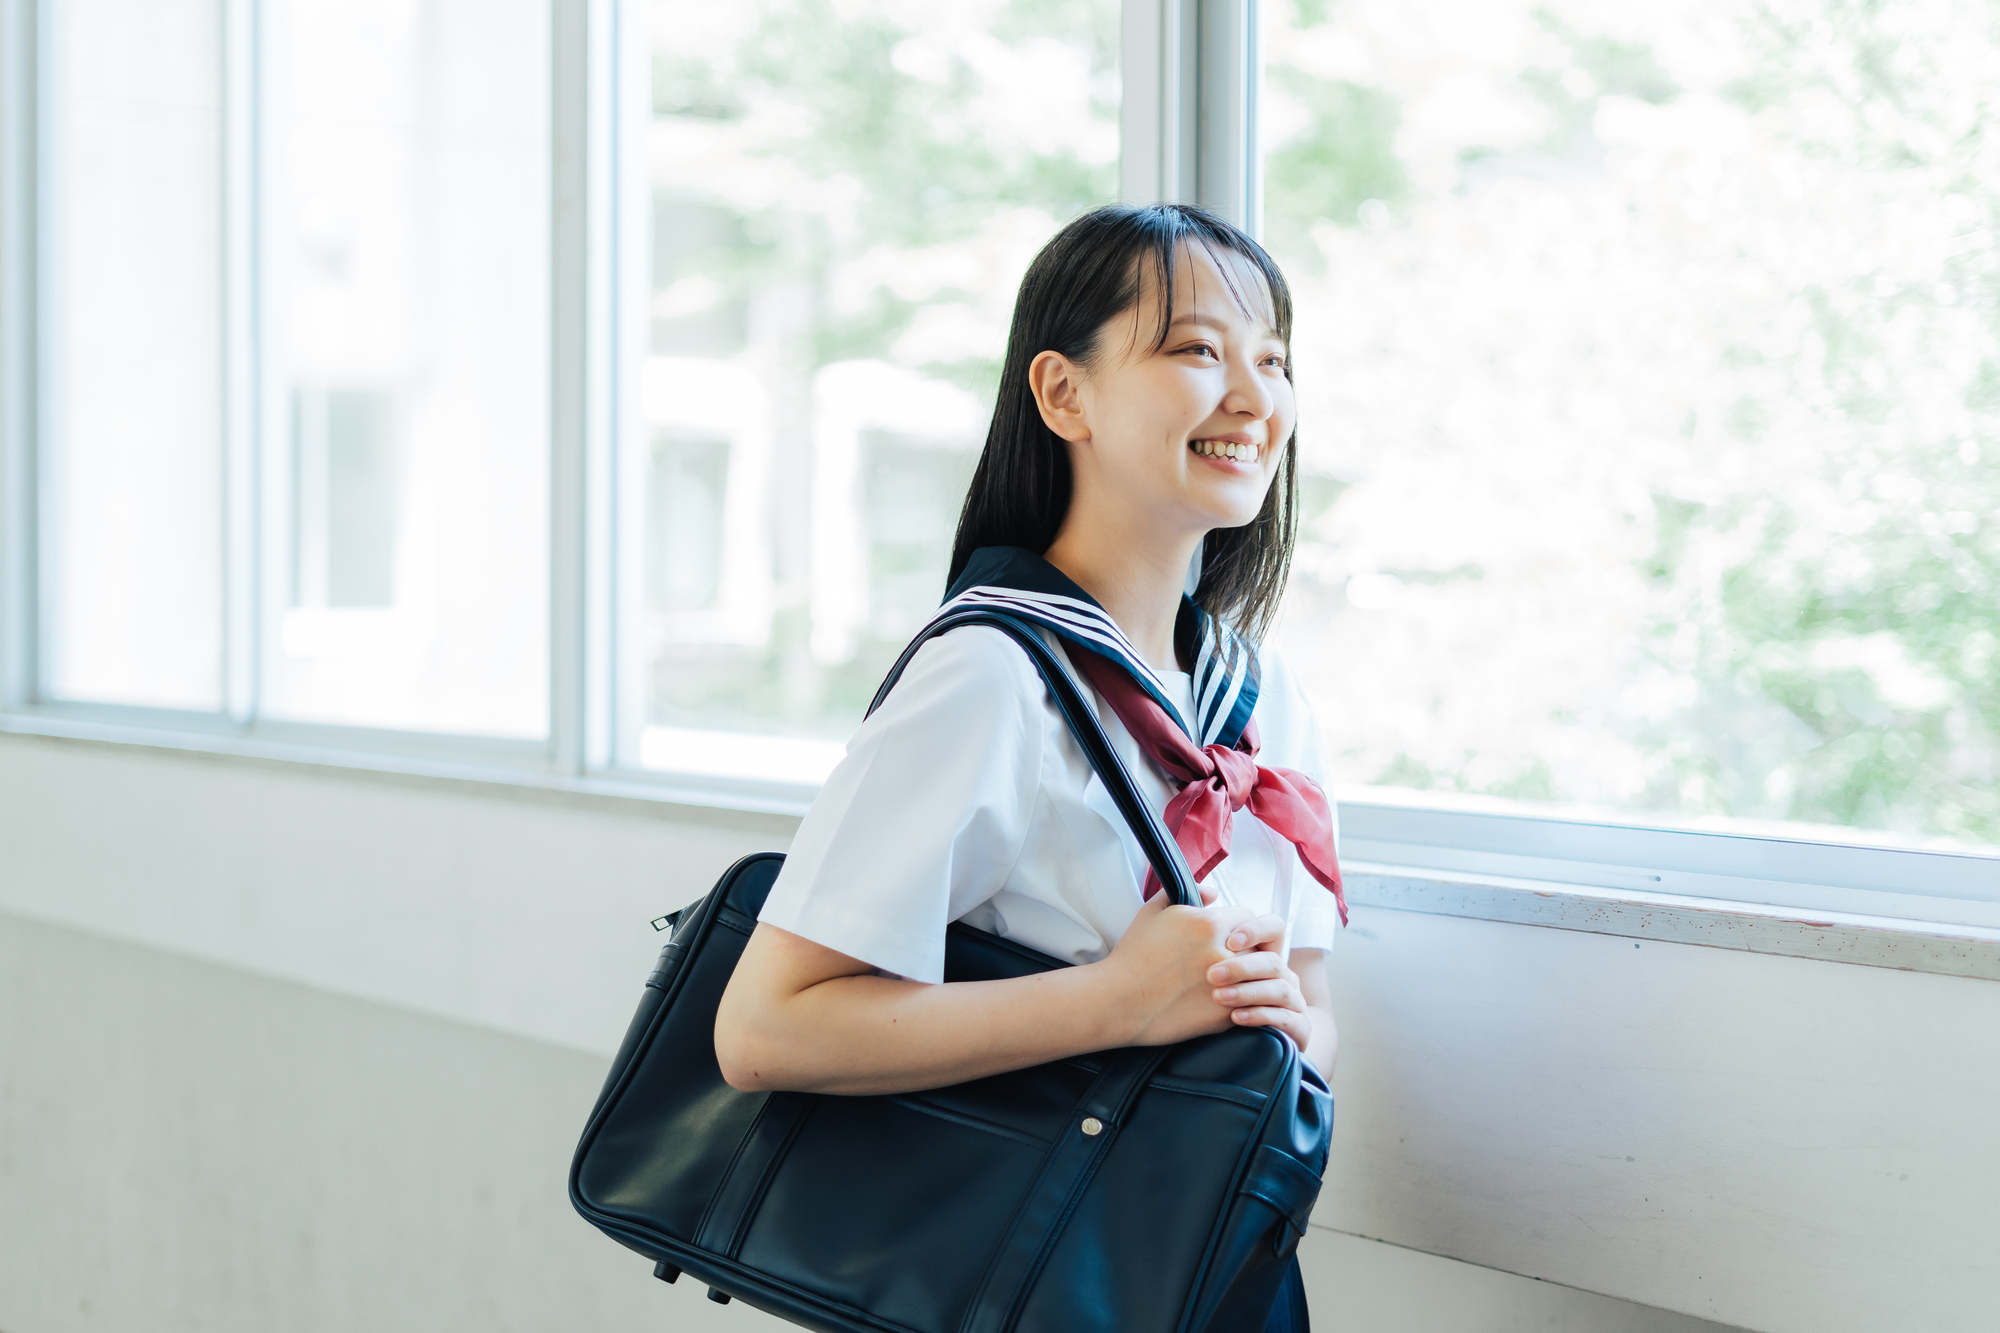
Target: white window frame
{"x":1189,"y":126}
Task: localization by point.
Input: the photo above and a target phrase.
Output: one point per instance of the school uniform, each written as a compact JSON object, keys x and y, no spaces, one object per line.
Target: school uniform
{"x":965,"y":797}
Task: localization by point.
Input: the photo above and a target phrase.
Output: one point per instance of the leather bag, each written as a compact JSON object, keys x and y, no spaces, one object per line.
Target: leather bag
{"x":1147,"y":1190}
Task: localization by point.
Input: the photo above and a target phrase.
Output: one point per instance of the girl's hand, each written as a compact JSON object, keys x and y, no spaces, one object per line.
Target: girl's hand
{"x":1257,"y":986}
{"x":1159,"y":968}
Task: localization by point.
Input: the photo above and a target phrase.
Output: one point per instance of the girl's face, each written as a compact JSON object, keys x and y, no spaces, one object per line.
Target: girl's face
{"x":1191,"y":431}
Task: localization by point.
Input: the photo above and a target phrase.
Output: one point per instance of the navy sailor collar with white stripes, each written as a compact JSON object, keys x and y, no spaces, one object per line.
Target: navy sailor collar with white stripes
{"x":1015,"y":580}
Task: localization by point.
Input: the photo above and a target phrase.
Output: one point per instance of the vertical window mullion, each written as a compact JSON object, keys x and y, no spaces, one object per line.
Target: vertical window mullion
{"x":1226,"y":123}
{"x":1188,"y":122}
{"x":241,"y":396}
{"x":1251,"y":65}
{"x":601,"y":213}
{"x":584,"y":385}
{"x":1150,"y":62}
{"x":270,"y":438}
{"x":621,"y":680}
{"x":19,"y":133}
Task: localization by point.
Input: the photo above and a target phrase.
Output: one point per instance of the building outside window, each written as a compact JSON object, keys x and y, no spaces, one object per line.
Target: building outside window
{"x":844,"y":197}
{"x":406,"y":340}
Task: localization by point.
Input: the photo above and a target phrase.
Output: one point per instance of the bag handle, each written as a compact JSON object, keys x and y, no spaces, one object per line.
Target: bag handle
{"x":1162,"y":852}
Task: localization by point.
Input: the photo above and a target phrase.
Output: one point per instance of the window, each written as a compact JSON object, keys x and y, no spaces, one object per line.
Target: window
{"x":132,"y":552}
{"x":1649,"y":361}
{"x":844,"y":197}
{"x":407,"y":353}
{"x":588,"y":388}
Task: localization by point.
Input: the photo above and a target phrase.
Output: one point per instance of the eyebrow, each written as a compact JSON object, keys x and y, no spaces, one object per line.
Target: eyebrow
{"x":1196,"y":317}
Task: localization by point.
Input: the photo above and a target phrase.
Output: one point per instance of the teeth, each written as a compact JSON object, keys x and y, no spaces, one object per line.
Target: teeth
{"x":1242,"y":453}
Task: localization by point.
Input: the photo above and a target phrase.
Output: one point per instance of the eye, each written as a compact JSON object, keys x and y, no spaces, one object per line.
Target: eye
{"x":1202,"y":349}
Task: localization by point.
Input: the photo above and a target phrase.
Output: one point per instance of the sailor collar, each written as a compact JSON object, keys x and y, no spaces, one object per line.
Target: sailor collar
{"x":1020,"y":583}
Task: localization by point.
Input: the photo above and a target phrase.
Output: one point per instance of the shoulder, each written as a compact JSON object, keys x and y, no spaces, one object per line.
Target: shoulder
{"x":1277,"y":684}
{"x":978,"y":653}
{"x":971,"y":664}
{"x":1289,"y":732}
{"x":972,"y":686}
{"x":1287,"y":727}
{"x":1273,"y":669}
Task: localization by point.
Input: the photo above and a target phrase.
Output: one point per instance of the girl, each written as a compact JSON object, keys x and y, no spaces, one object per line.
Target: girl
{"x":1141,"y":449}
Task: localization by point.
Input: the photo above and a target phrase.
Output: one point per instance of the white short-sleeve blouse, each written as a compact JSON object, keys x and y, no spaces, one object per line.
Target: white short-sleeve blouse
{"x":964,"y":797}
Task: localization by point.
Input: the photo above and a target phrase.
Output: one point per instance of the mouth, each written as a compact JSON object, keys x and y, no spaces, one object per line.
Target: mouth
{"x":1228,"y":451}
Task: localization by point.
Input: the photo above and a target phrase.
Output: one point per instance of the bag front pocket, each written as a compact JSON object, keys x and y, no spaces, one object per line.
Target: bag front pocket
{"x":870,"y":1189}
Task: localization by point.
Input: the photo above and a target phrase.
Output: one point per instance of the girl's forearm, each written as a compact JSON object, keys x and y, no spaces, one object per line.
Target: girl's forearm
{"x":1325,"y":1044}
{"x":873,"y":1035}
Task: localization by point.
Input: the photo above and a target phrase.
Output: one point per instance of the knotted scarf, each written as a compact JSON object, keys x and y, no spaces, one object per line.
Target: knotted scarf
{"x":1218,"y":781}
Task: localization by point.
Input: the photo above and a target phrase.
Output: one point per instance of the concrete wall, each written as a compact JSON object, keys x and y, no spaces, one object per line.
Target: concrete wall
{"x":293,"y":1047}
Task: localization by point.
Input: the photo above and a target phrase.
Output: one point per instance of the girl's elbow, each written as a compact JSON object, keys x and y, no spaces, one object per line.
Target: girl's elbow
{"x":752,"y":1050}
{"x":742,"y":1077}
{"x":744,"y":1066}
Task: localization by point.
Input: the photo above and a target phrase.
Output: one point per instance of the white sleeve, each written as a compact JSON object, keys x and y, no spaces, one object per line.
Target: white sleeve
{"x":1290,"y":736}
{"x":926,"y":816}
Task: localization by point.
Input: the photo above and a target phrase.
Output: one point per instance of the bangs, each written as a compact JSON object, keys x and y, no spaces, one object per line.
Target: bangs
{"x":1157,"y":265}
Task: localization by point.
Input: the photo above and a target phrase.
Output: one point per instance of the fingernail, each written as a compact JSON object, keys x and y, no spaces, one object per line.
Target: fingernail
{"x":1218,"y":974}
{"x":1237,"y":941}
{"x":1226,"y":994}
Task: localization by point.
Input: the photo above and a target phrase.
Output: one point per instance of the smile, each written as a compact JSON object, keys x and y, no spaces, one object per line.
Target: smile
{"x":1241,"y":453}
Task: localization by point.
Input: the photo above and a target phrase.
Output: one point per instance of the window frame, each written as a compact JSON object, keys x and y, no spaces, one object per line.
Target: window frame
{"x":1188,"y":122}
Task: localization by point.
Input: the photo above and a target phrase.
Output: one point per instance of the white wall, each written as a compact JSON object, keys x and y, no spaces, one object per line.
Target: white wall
{"x":189,"y":1148}
{"x":478,"y":903}
{"x":1778,"y":1143}
{"x":1772,"y":1142}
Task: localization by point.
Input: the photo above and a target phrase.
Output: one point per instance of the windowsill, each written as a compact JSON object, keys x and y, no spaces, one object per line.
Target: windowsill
{"x":1397,"y":858}
{"x":762,"y":807}
{"x":1841,"y":937}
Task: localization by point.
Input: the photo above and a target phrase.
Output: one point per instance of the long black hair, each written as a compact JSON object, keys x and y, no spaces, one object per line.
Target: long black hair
{"x":1091,"y":271}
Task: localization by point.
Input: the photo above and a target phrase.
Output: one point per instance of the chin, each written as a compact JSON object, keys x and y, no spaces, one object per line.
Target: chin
{"x":1232,"y":517}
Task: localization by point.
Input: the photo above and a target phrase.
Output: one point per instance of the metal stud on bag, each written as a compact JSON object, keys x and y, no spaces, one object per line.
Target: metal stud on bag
{"x":1092,"y":1126}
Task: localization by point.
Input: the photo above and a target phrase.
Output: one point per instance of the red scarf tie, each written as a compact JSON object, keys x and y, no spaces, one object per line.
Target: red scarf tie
{"x":1219,"y":781}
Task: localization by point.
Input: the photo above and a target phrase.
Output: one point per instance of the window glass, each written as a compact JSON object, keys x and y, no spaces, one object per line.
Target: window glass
{"x":408,"y":356}
{"x":132,"y":459}
{"x":1649,"y":365}
{"x":844,"y":199}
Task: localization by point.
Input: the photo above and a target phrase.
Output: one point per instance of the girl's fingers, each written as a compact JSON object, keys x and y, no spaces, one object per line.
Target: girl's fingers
{"x":1250,"y":967}
{"x":1279,"y":994}
{"x":1259,"y":932}
{"x":1291,"y":1024}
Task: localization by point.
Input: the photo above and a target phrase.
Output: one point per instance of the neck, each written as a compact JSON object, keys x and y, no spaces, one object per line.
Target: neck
{"x":1137,"y":578}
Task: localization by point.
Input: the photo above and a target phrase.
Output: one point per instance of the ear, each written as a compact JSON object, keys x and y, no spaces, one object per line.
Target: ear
{"x":1053,"y":379}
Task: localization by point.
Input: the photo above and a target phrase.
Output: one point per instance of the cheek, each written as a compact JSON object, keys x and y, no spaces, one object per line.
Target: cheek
{"x":1171,"y":399}
{"x":1286,"y":400}
{"x":1157,"y":409}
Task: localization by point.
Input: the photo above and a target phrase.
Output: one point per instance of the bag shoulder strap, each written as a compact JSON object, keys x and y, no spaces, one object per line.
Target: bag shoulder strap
{"x":1162,"y":853}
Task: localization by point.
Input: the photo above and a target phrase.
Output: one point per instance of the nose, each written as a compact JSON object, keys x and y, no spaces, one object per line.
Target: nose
{"x":1245,"y":394}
